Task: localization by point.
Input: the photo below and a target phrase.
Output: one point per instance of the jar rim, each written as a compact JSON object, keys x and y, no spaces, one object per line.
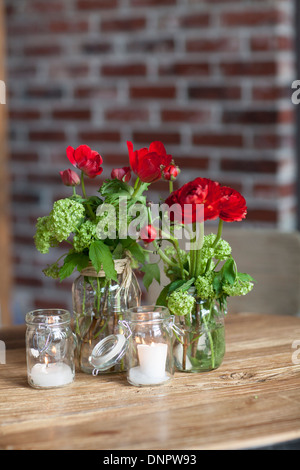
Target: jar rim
{"x":49,"y":316}
{"x":147,"y":313}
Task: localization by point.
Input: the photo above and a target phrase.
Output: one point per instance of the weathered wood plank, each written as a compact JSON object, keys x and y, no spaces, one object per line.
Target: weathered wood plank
{"x":252,"y":399}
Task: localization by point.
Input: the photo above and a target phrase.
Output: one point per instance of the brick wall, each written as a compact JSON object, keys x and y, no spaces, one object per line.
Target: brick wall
{"x":210,"y":78}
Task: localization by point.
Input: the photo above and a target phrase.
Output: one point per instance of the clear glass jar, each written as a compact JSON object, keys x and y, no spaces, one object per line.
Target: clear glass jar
{"x":50,"y":348}
{"x":147,"y":341}
{"x":201,"y":346}
{"x":98,"y":305}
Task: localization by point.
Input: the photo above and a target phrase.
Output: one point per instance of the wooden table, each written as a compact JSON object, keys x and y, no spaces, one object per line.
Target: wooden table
{"x":252,"y":400}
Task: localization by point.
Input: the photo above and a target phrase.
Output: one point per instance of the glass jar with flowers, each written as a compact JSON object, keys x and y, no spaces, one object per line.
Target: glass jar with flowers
{"x":103,"y":235}
{"x":203,"y":276}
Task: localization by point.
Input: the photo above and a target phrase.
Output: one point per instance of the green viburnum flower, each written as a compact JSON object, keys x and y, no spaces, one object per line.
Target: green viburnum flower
{"x":204,"y":287}
{"x":52,"y":270}
{"x":181,"y":303}
{"x":43,"y":237}
{"x":238,"y":288}
{"x":65,"y":217}
{"x":85,"y":235}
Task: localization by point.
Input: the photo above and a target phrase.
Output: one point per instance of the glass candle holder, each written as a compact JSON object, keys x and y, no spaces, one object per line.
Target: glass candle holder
{"x":50,"y":348}
{"x":146,"y":345}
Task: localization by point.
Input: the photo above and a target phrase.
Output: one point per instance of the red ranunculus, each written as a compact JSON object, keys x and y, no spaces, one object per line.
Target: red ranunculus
{"x":122,"y":174}
{"x":148,"y":234}
{"x":69,"y":177}
{"x":148,"y":164}
{"x":87,"y":160}
{"x":171,"y":172}
{"x":190,"y":195}
{"x":233,"y":205}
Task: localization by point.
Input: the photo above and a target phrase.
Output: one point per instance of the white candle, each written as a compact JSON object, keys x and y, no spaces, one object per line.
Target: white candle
{"x":152,"y":368}
{"x":51,"y":375}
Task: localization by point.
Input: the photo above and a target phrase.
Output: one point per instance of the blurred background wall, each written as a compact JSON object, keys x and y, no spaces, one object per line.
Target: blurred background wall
{"x":211,"y":79}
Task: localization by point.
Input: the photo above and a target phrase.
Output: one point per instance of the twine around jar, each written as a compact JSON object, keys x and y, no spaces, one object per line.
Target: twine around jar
{"x":122,"y":266}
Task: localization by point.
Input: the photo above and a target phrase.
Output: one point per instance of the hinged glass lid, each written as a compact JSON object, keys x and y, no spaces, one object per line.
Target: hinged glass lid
{"x":108,"y":352}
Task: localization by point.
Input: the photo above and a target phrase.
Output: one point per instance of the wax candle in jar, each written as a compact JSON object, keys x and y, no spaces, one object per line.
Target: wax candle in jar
{"x":152,"y":364}
{"x":47,"y":375}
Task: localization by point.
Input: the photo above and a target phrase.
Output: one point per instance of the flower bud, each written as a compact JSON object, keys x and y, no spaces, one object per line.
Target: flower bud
{"x":69,"y":178}
{"x":122,"y":174}
{"x":148,"y":234}
{"x":170,"y":172}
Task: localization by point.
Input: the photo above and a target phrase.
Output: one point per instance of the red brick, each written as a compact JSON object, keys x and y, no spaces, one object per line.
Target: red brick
{"x":24,"y":114}
{"x":44,"y":92}
{"x":25,"y":198}
{"x":152,"y":3}
{"x":248,"y":68}
{"x":271,"y":92}
{"x":271,"y":43}
{"x":188,"y":162}
{"x":252,"y":18}
{"x":93,"y":92}
{"x":43,"y":303}
{"x":262,"y":215}
{"x":249,"y":166}
{"x":270,"y":191}
{"x":127,"y":114}
{"x":152,"y":92}
{"x":218,"y":140}
{"x":123,"y":24}
{"x":40,"y":6}
{"x":96,"y":47}
{"x":214,"y":92}
{"x":185,"y":69}
{"x":272,"y":141}
{"x":250,"y":117}
{"x":72,"y":114}
{"x":153,"y":45}
{"x":24,"y":156}
{"x":185,"y":115}
{"x":42,"y":50}
{"x":65,"y":70}
{"x":146,"y":137}
{"x":47,"y":136}
{"x":96,"y":4}
{"x":63,"y":26}
{"x":100,"y":136}
{"x":28,"y":281}
{"x":120,"y":70}
{"x":222,"y":44}
{"x":195,"y":20}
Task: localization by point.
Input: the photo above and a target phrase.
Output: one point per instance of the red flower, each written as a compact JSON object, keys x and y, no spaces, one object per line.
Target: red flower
{"x":148,"y":234}
{"x":87,"y":160}
{"x":233,"y":205}
{"x":171,"y":172}
{"x":148,"y":164}
{"x":190,"y":195}
{"x":122,"y":174}
{"x":69,"y":177}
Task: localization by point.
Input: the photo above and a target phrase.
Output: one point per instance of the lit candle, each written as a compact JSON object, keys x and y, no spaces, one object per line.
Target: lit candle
{"x":152,"y":368}
{"x":51,"y":375}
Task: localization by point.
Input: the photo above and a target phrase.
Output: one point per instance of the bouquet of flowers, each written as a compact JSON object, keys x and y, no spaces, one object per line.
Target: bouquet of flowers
{"x":204,"y":276}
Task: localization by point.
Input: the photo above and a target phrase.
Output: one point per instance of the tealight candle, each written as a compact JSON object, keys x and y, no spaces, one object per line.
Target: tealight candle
{"x":50,"y":375}
{"x":152,"y":368}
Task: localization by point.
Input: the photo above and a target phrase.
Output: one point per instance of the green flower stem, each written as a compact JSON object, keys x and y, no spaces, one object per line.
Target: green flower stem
{"x":163,"y":255}
{"x":92,"y":215}
{"x":219,"y":233}
{"x":195,"y":255}
{"x":176,"y":246}
{"x":171,"y":186}
{"x":212,"y":351}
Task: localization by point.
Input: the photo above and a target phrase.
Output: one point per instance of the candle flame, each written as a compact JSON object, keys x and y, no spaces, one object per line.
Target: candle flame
{"x":46,"y":361}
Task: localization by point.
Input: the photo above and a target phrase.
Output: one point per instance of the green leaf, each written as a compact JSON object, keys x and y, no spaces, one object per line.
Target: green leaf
{"x":151,"y":271}
{"x":70,"y":262}
{"x":186,"y":285}
{"x":162,"y":298}
{"x":229,"y":271}
{"x":101,"y":256}
{"x":137,"y":252}
{"x":245,"y":277}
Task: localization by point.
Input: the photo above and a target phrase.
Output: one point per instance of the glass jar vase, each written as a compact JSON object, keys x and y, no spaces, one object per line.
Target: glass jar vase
{"x":201,"y":345}
{"x":98,"y":305}
{"x":50,"y":348}
{"x":146,"y":343}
